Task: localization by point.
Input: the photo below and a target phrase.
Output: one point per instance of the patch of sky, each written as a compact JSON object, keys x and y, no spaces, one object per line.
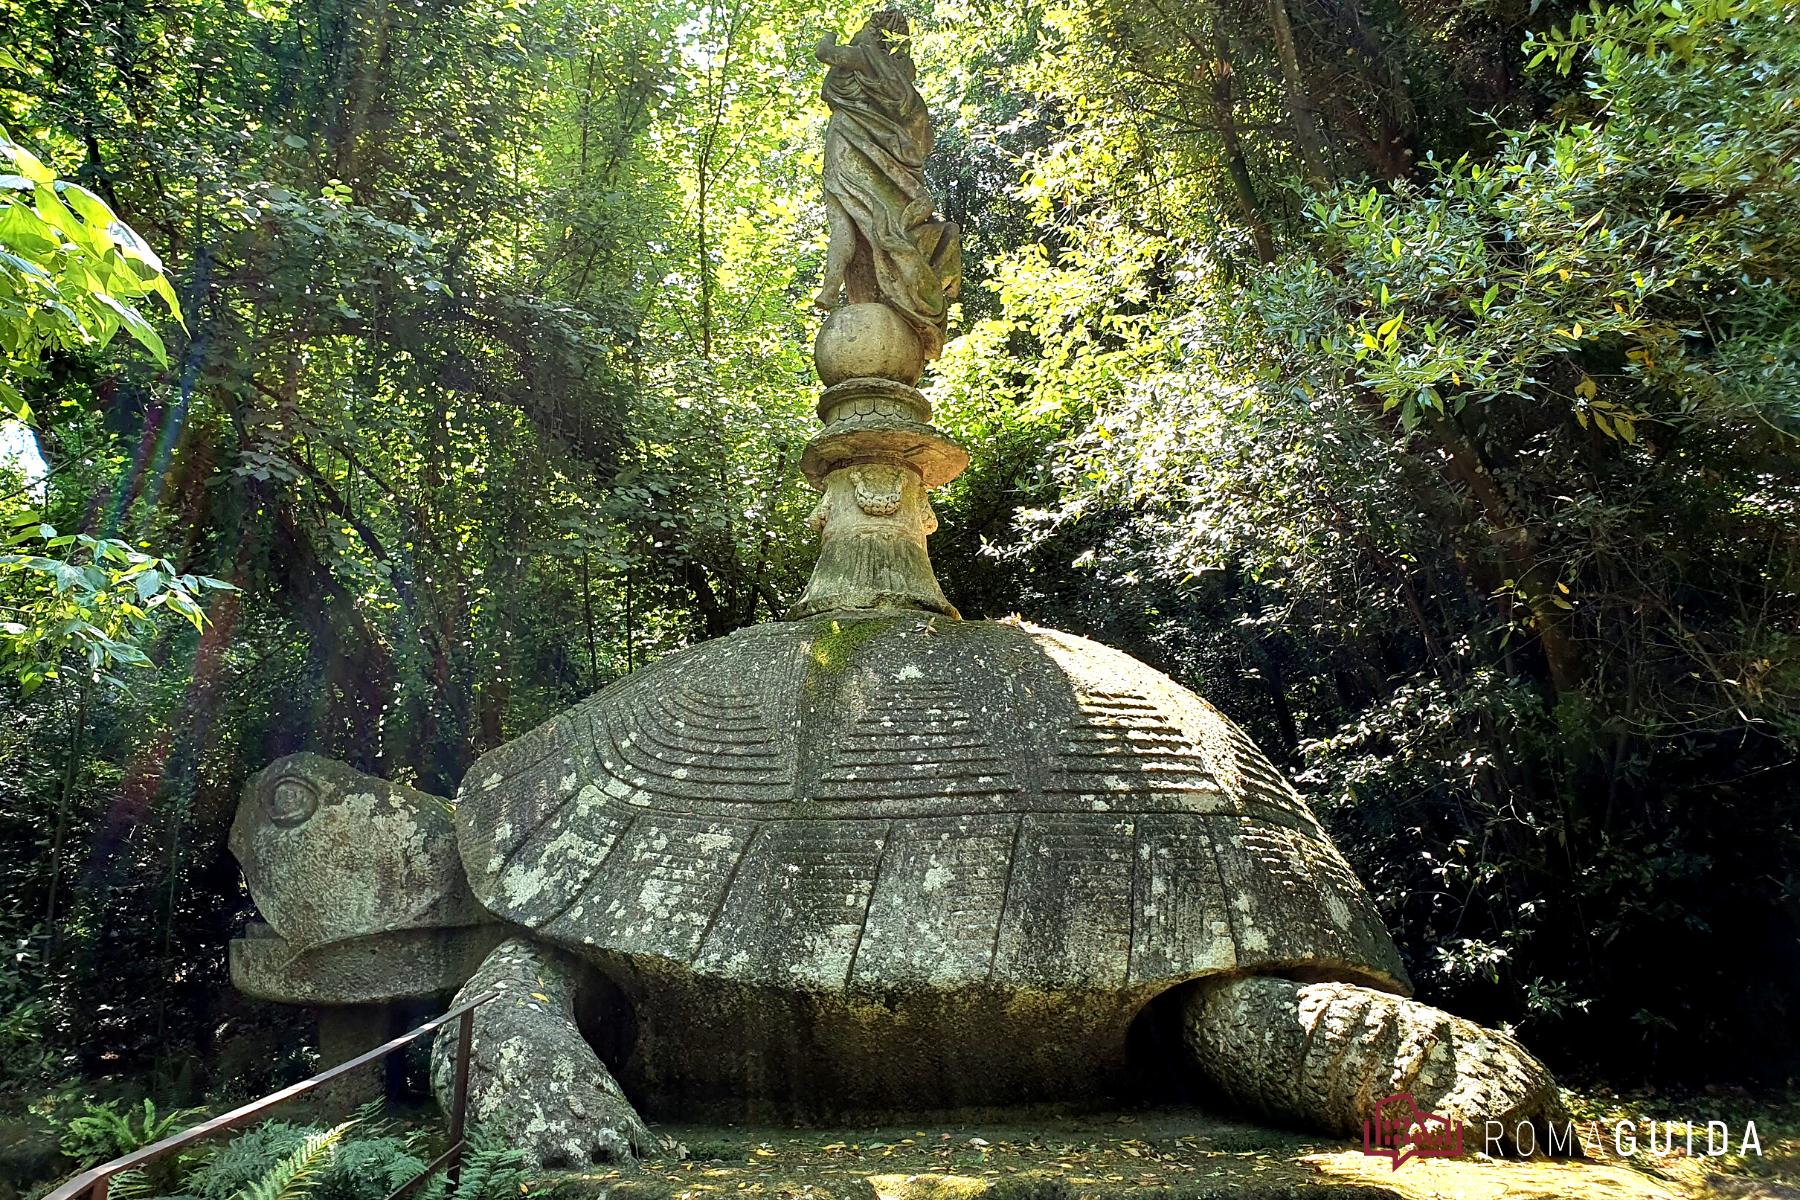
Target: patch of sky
{"x":19,"y":452}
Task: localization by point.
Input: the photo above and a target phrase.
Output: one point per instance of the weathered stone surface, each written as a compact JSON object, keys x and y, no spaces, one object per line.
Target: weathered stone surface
{"x":630,"y":822}
{"x":874,"y":462}
{"x":397,"y":965}
{"x":874,"y":519}
{"x":532,"y":1077}
{"x":1326,"y":1054}
{"x":863,"y":397}
{"x":881,"y":864}
{"x":887,"y":243}
{"x":331,"y":854}
{"x":898,"y":265}
{"x":923,"y":862}
{"x":345,"y":1032}
{"x":882,"y":435}
{"x":361,"y":886}
{"x":867,"y":340}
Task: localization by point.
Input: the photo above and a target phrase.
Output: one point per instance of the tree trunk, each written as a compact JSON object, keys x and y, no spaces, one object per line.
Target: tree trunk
{"x":1307,"y":138}
{"x":361,"y":100}
{"x":1396,"y":119}
{"x":1562,"y":656}
{"x":1511,"y":533}
{"x":705,"y":263}
{"x":587,"y":107}
{"x":703,"y":178}
{"x":65,"y":800}
{"x":1223,"y":110}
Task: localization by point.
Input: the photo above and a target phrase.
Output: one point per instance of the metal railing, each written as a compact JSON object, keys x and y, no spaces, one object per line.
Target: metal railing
{"x":93,"y":1182}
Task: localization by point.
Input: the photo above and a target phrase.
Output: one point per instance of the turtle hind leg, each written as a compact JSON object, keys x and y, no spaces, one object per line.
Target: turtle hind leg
{"x":1326,"y":1054}
{"x":533,"y":1078}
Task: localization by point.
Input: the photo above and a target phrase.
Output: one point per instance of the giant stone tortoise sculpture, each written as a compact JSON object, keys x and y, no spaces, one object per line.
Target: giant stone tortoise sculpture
{"x":871,"y":859}
{"x":860,"y":864}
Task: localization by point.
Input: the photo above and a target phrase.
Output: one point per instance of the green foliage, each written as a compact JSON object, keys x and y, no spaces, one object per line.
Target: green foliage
{"x":95,"y":603}
{"x":276,"y":1160}
{"x":369,"y":1168}
{"x":246,"y":1158}
{"x":104,"y":1132}
{"x":70,"y":272}
{"x":263,"y":1161}
{"x":298,"y":1174}
{"x":1475,"y":503}
{"x":23,"y":1048}
{"x":1602,"y":248}
{"x":491,"y":1170}
{"x":448,"y":408}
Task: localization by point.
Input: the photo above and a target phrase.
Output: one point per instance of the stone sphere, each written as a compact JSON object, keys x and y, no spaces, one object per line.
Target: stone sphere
{"x":867,"y":341}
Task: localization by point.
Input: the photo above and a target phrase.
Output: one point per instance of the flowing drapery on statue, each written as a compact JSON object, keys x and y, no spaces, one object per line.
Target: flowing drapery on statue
{"x":888,"y":245}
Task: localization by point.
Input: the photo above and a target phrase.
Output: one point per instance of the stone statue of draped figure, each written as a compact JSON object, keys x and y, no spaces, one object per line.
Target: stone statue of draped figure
{"x":888,"y":245}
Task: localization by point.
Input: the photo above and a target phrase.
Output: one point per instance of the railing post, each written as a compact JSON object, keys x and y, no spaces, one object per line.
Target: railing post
{"x":459,"y":1098}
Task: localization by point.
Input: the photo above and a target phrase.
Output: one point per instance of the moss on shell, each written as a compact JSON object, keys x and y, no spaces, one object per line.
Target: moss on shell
{"x":836,"y":644}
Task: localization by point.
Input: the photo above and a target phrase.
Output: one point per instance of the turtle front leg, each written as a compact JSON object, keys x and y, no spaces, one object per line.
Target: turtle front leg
{"x":532,"y":1077}
{"x":1326,"y":1054}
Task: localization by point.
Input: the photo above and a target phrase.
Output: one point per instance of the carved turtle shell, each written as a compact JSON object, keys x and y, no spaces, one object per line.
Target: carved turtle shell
{"x":900,"y":803}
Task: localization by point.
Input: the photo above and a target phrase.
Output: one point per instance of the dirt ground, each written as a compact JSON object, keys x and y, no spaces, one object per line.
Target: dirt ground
{"x":1168,"y":1155}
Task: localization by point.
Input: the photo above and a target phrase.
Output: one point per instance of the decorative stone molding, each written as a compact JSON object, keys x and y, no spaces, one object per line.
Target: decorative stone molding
{"x":874,"y":461}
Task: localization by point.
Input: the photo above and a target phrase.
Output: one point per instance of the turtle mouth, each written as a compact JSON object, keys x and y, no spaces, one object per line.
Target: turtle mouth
{"x":268,"y":936}
{"x":392,"y":965}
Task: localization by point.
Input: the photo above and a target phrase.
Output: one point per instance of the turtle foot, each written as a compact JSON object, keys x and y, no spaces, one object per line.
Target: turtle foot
{"x":533,"y":1078}
{"x":1327,"y":1055}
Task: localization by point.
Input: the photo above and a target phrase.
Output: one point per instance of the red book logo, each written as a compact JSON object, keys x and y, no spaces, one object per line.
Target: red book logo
{"x":1401,"y":1132}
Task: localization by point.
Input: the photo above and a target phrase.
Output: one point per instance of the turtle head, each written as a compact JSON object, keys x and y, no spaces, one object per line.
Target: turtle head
{"x":333,"y":855}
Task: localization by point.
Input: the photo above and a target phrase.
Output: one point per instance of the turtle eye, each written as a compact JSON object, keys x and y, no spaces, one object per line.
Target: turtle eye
{"x":292,"y":801}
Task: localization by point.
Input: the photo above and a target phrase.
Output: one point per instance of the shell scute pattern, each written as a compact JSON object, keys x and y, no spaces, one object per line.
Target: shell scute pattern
{"x":795,"y":913}
{"x":960,"y":804}
{"x":1180,"y":926}
{"x":553,"y":867}
{"x":935,"y":908}
{"x":1289,"y":904}
{"x":918,"y":740}
{"x":665,"y":879}
{"x":510,"y":802}
{"x":719,"y":729}
{"x":1124,"y":744}
{"x":1125,"y":747}
{"x":1068,"y":910}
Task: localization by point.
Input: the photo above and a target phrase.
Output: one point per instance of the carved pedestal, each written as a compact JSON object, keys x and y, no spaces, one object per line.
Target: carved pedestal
{"x":874,"y":460}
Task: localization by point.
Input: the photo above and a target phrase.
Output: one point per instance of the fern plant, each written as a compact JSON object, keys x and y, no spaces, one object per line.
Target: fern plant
{"x":491,"y":1170}
{"x":246,"y":1158}
{"x":294,"y":1176}
{"x":277,"y":1160}
{"x":103,"y":1132}
{"x":368,"y":1164}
